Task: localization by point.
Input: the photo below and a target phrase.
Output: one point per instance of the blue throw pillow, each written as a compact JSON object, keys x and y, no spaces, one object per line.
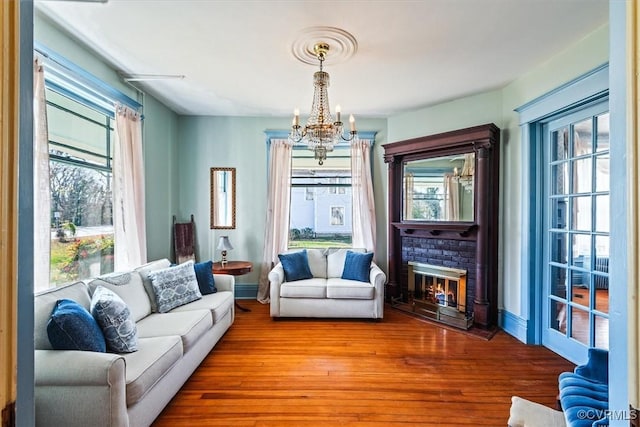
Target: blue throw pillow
{"x":204,"y":275}
{"x":296,"y":266}
{"x":72,"y":327}
{"x":357,"y":265}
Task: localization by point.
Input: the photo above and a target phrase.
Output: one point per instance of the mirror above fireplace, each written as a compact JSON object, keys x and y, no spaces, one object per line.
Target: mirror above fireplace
{"x":439,"y":188}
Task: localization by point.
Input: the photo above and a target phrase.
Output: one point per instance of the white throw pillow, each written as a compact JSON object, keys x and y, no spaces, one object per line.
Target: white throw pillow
{"x":175,"y":286}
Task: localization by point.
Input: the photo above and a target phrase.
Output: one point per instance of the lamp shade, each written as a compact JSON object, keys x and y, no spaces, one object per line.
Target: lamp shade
{"x":224,"y":244}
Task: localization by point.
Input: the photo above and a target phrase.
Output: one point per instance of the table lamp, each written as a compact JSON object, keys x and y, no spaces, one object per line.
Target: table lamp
{"x":224,"y":245}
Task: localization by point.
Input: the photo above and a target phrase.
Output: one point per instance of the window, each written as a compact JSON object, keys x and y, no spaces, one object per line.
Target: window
{"x":320,"y":200}
{"x":80,"y":157}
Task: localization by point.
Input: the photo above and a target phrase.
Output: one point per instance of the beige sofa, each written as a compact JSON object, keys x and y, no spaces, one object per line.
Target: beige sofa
{"x":327,"y":294}
{"x":93,"y":389}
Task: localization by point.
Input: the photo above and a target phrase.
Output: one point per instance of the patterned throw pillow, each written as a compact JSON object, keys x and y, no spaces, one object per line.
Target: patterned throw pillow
{"x":175,"y":286}
{"x":115,"y":320}
{"x":356,"y":266}
{"x":296,"y":266}
{"x":204,"y":275}
{"x":72,"y":327}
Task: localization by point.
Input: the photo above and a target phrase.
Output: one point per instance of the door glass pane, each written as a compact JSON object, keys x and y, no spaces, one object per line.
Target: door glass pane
{"x":582,"y":176}
{"x":559,"y":219}
{"x":581,"y":250}
{"x":560,"y":144}
{"x":602,"y":246}
{"x":602,"y":332}
{"x":579,"y":325}
{"x":602,"y":213}
{"x":602,"y":172}
{"x":559,"y":248}
{"x":559,"y":282}
{"x":559,"y":179}
{"x":580,"y":289}
{"x":582,"y":137}
{"x":581,"y":213}
{"x":602,"y":141}
{"x":558,"y":318}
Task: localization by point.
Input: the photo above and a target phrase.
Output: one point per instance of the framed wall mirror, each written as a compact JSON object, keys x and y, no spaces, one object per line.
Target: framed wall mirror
{"x":439,"y":188}
{"x":223,"y":198}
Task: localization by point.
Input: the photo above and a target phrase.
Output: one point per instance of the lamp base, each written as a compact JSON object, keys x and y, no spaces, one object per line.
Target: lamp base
{"x":223,"y":261}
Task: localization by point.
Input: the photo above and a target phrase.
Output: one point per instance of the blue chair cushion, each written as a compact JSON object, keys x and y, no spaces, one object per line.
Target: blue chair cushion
{"x":357,"y":265}
{"x":72,"y":327}
{"x":204,"y":275}
{"x":296,"y":266}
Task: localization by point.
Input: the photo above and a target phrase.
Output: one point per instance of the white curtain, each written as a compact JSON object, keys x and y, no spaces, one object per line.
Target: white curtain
{"x":451,"y":198}
{"x":364,"y":209}
{"x":41,"y":189}
{"x":276,"y":235}
{"x":128,"y":191}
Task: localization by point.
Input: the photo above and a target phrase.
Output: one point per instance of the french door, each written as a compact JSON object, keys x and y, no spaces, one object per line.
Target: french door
{"x":576,"y":241}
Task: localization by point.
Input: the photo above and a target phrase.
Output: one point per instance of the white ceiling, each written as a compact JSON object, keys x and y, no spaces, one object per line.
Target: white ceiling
{"x":237,"y":61}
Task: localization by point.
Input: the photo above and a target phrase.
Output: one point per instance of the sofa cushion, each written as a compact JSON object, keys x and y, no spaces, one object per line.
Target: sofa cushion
{"x":129,"y":287}
{"x":317,"y":262}
{"x":357,"y":266}
{"x":335,"y":260}
{"x":204,"y":276}
{"x":115,"y":320}
{"x":349,"y":289}
{"x":175,"y":286}
{"x":44,"y":303}
{"x":149,"y":364}
{"x":188,"y":325}
{"x":308,"y":288}
{"x":144,"y":271}
{"x":72,"y":327}
{"x":219,"y":304}
{"x":296,"y":266}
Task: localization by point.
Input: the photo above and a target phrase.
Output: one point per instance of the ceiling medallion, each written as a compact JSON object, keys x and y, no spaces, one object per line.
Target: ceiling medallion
{"x":343,"y":45}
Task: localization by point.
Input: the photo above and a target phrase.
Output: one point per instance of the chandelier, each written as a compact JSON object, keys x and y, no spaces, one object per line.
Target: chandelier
{"x":321,"y":133}
{"x":465,"y":177}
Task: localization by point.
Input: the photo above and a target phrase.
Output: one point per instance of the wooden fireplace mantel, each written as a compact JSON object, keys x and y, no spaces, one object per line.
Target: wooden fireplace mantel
{"x":481,"y":234}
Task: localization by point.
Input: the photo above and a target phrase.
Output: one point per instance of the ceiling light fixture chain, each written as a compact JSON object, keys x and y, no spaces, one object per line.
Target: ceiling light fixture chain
{"x":321,"y":133}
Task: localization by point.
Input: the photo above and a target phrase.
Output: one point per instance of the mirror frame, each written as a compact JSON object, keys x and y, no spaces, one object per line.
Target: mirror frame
{"x":214,"y":223}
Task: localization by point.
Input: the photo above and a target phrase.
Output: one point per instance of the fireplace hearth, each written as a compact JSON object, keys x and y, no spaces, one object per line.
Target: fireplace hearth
{"x":437,"y":293}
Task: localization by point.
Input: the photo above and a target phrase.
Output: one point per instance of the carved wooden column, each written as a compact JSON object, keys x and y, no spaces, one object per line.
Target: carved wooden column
{"x":394,"y":244}
{"x":480,"y":301}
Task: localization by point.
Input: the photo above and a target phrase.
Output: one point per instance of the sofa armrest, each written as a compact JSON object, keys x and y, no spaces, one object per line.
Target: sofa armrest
{"x":225,"y":282}
{"x":69,"y":383}
{"x":597,"y":367}
{"x":377,"y":278}
{"x":276,"y":278}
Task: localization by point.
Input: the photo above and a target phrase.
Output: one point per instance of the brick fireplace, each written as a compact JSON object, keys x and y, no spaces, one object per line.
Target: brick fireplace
{"x":450,"y":253}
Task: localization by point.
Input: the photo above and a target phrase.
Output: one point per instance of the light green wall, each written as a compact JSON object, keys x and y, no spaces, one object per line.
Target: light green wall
{"x":498,"y":107}
{"x":159,"y":133}
{"x":240,"y":142}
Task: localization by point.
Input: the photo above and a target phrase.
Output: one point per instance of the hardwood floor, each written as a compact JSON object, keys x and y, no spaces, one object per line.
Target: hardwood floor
{"x":400,"y":371}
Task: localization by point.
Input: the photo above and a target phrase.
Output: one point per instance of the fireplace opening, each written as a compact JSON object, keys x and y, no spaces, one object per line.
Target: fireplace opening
{"x":438,"y":293}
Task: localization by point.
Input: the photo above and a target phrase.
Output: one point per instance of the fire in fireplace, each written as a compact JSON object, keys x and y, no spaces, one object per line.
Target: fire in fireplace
{"x":438,"y":293}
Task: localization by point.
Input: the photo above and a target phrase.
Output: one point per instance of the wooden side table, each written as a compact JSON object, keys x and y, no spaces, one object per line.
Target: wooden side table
{"x":234,"y":268}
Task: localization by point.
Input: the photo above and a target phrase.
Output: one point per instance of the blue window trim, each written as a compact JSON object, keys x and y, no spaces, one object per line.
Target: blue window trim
{"x":72,"y":81}
{"x":588,"y":88}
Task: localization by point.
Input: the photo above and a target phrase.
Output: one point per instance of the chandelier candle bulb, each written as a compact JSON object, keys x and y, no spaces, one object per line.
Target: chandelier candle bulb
{"x":296,"y":117}
{"x":352,"y":122}
{"x":337,"y":113}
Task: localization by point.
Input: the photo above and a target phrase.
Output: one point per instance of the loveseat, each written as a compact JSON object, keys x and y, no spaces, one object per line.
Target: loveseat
{"x":132,"y":386}
{"x":327,"y":288}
